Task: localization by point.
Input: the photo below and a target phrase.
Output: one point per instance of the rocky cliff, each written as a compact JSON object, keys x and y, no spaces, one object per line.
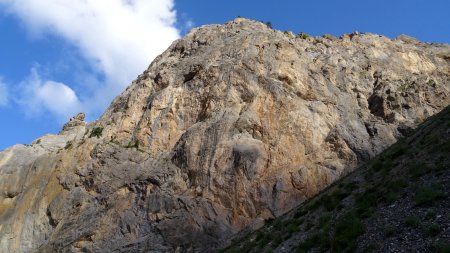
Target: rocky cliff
{"x":231,"y":125}
{"x":398,"y":202}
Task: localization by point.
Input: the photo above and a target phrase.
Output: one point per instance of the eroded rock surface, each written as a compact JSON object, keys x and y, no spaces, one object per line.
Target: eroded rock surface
{"x":231,"y":125}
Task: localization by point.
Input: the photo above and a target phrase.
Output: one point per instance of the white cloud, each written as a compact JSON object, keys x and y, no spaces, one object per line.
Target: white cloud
{"x":48,"y":96}
{"x":4,"y":93}
{"x":118,"y":38}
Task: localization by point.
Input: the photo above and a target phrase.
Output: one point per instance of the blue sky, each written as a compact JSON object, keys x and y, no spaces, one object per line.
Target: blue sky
{"x":60,"y":57}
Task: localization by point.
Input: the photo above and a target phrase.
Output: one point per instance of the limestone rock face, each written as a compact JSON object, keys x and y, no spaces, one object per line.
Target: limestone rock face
{"x":75,"y":121}
{"x":231,"y":125}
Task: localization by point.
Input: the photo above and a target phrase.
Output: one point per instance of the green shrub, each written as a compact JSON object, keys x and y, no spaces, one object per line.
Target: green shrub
{"x":329,"y":36}
{"x":431,"y":82}
{"x":133,"y":144}
{"x":368,"y":176}
{"x":445,"y":147}
{"x":412,"y":221}
{"x":397,"y":184}
{"x":303,"y":35}
{"x":308,"y":226}
{"x":300,"y":213}
{"x":289,"y":33}
{"x":349,"y":187}
{"x":405,"y":86}
{"x":390,"y":196}
{"x":389,"y":231}
{"x":398,"y":150}
{"x":348,"y":229}
{"x":387,"y":166}
{"x":366,"y":203}
{"x":68,"y":145}
{"x":317,"y":240}
{"x":259,"y":236}
{"x":96,"y":132}
{"x":292,"y":228}
{"x":277,"y":239}
{"x":419,"y":169}
{"x":342,"y":193}
{"x":278,"y":225}
{"x":324,"y":220}
{"x":433,"y":139}
{"x":393,"y":188}
{"x":269,"y":221}
{"x":431,"y":214}
{"x":432,"y":230}
{"x":377,"y":165}
{"x":313,"y":205}
{"x":428,"y":194}
{"x":372,"y":246}
{"x":329,"y":202}
{"x":263,"y":241}
{"x":442,"y":247}
{"x":289,"y":224}
{"x":440,"y":168}
{"x":113,"y":140}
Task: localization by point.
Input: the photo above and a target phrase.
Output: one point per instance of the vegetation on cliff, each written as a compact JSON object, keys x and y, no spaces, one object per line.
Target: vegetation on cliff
{"x":397,"y":202}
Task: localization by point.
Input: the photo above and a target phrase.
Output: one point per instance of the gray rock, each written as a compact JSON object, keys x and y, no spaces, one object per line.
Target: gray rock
{"x":231,"y":125}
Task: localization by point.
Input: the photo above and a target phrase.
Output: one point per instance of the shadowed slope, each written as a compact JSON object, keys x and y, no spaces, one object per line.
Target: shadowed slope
{"x":398,"y":202}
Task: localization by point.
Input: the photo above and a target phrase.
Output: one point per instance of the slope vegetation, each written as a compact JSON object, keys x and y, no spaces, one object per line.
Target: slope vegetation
{"x":398,"y":202}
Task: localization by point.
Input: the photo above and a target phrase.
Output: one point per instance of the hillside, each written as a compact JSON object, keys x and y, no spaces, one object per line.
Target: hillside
{"x":398,"y":202}
{"x":232,"y":125}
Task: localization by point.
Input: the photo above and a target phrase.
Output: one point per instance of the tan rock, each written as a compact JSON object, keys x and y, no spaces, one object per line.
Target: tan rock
{"x":231,"y":125}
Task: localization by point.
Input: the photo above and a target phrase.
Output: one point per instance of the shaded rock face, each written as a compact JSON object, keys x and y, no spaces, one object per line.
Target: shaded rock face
{"x":386,"y":194}
{"x":231,"y":125}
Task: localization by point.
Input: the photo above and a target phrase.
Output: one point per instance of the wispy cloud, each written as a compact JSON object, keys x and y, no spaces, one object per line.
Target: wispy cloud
{"x":4,"y":93}
{"x":39,"y":96}
{"x":117,"y":38}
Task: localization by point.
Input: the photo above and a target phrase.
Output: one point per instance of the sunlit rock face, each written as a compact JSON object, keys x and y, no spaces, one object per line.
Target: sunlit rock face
{"x":231,"y":125}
